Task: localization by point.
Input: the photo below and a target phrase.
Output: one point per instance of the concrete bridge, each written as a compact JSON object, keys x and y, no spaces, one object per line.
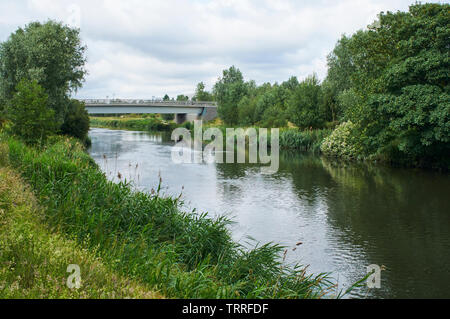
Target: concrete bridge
{"x":183,"y":110}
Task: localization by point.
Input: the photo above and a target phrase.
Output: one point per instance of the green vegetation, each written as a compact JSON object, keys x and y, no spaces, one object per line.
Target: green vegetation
{"x":146,"y":237}
{"x":76,"y":122}
{"x":201,"y":94}
{"x":390,"y":81}
{"x":30,"y":117}
{"x":341,"y":142}
{"x":304,"y":140}
{"x":134,"y":123}
{"x":50,"y":55}
{"x":33,"y":260}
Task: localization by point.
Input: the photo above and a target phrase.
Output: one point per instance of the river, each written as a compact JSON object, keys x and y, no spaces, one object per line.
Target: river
{"x":346,"y":217}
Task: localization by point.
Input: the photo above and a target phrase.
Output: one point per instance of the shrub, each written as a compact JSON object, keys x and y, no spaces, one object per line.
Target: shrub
{"x":168,"y":117}
{"x":31,"y":118}
{"x":76,"y":122}
{"x":342,"y":142}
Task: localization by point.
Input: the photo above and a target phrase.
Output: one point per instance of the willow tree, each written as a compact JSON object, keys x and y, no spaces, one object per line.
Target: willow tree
{"x":50,"y":54}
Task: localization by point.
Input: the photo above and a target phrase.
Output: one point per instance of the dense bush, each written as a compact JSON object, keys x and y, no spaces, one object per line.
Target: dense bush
{"x":168,"y":117}
{"x":31,"y":118}
{"x":76,"y":121}
{"x":394,"y":84}
{"x":342,"y":142}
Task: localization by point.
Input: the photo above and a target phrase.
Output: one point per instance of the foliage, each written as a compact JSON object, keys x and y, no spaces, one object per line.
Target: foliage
{"x":201,"y":94}
{"x":304,"y":110}
{"x":342,"y":142}
{"x":228,"y":91}
{"x":168,"y":116}
{"x":76,"y":121}
{"x":394,"y":85}
{"x":138,"y":124}
{"x":49,"y":53}
{"x":306,"y":140}
{"x":182,"y":98}
{"x":33,"y":261}
{"x":31,"y":118}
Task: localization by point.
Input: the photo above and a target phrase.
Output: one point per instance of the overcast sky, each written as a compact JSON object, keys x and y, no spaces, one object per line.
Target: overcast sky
{"x":140,"y":49}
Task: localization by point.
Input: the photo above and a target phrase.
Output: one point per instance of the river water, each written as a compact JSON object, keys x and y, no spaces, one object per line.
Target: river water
{"x":346,"y":217}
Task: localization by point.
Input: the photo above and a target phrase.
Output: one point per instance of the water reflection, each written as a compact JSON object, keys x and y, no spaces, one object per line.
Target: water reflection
{"x":346,"y":216}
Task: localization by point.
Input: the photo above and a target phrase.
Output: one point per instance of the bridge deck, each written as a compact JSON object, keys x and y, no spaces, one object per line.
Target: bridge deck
{"x":146,"y":107}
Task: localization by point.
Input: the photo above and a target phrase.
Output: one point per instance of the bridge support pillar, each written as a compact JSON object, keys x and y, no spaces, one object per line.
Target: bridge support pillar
{"x":180,"y":118}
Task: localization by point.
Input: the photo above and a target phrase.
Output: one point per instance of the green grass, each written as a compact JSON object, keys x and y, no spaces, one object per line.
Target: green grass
{"x":133,"y":123}
{"x":33,"y":260}
{"x":147,"y":237}
{"x":307,"y":140}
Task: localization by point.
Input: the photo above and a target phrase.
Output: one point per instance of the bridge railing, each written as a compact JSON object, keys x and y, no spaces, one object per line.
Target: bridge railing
{"x":142,"y":101}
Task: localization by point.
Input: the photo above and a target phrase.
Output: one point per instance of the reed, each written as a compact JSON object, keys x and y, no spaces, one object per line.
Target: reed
{"x":137,"y":124}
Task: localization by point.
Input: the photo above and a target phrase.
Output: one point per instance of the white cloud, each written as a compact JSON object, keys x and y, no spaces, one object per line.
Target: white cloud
{"x":149,"y":48}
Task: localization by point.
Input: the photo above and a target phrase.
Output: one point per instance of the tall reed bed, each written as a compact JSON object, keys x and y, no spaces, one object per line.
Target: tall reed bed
{"x":148,"y":237}
{"x":307,"y":140}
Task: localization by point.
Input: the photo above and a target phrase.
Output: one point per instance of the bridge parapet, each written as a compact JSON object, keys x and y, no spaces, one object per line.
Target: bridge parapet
{"x":159,"y":102}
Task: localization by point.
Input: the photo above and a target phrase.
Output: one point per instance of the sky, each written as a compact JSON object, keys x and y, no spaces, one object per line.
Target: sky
{"x":144,"y":49}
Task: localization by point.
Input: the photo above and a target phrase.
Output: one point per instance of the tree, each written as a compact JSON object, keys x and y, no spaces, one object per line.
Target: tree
{"x":76,"y":122}
{"x":50,"y":54}
{"x":182,"y":98}
{"x":166,"y":98}
{"x":31,"y":118}
{"x":400,"y":85}
{"x":229,"y":90}
{"x":201,"y":94}
{"x":304,"y":109}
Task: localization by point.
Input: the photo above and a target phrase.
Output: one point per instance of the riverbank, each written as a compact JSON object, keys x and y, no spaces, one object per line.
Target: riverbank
{"x":290,"y":138}
{"x":151,"y":123}
{"x":147,"y":237}
{"x":34,"y":260}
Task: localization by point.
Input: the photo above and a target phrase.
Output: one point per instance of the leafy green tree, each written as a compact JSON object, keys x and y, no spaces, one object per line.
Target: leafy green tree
{"x":400,"y":84}
{"x":76,"y":122}
{"x":31,"y":118}
{"x":246,"y":109}
{"x":229,"y":90}
{"x":304,"y":106}
{"x":49,"y":53}
{"x":166,"y":98}
{"x":182,"y":98}
{"x":201,"y":94}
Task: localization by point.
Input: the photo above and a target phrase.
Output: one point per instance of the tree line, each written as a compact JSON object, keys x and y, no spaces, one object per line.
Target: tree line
{"x":386,"y":92}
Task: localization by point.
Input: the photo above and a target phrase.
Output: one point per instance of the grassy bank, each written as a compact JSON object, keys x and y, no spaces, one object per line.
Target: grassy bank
{"x":148,"y":238}
{"x":133,"y":123}
{"x":307,"y":140}
{"x":34,"y":261}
